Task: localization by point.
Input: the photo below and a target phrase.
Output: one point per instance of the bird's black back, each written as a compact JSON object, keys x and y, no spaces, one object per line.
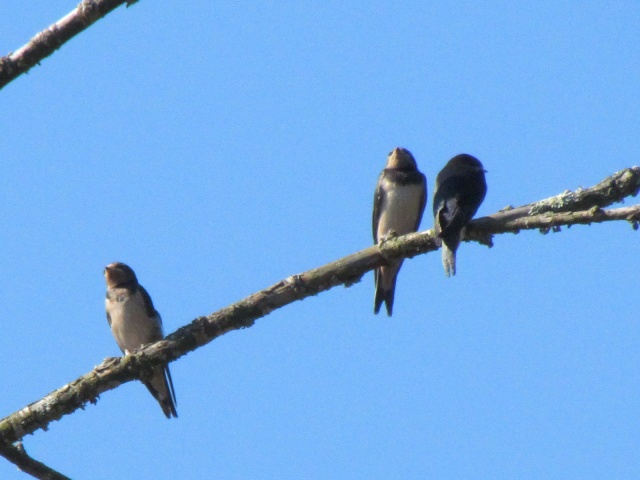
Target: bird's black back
{"x":460,"y":189}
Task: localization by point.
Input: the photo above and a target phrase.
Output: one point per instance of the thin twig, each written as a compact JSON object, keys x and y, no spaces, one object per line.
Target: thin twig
{"x":17,"y":455}
{"x":50,"y":39}
{"x":346,"y":271}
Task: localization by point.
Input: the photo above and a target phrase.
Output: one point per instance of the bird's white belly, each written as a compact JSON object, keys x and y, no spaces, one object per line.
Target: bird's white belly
{"x":129,"y":323}
{"x":400,"y":210}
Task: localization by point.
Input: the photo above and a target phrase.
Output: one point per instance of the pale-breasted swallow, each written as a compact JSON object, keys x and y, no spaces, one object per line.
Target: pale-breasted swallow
{"x":135,"y":322}
{"x":398,"y":205}
{"x":460,"y":189}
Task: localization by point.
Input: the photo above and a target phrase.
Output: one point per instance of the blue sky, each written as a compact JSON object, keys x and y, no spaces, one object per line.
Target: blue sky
{"x":218,"y":148}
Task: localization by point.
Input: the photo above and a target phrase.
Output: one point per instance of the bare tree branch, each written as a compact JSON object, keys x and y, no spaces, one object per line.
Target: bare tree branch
{"x":613,"y":189}
{"x":346,"y":271}
{"x":17,"y":455}
{"x":49,"y":40}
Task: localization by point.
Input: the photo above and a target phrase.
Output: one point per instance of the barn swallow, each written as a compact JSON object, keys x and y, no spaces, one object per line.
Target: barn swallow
{"x":460,"y":189}
{"x":135,"y":322}
{"x":398,"y":205}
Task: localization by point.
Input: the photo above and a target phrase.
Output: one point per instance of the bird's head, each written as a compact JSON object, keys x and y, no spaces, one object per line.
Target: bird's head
{"x":119,"y":275}
{"x":401,"y":159}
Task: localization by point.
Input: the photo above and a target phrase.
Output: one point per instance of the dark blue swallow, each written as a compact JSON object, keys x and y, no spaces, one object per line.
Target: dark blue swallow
{"x":460,"y":189}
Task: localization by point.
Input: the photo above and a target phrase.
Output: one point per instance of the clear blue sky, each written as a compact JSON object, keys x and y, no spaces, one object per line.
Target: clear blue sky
{"x":218,"y":147}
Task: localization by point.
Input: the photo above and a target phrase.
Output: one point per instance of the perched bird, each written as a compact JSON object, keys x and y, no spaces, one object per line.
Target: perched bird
{"x":460,"y":189}
{"x":398,"y":205}
{"x":134,"y":322}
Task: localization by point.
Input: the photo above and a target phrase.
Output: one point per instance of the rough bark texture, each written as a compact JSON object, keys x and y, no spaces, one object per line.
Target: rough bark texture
{"x":346,"y":271}
{"x":49,"y":40}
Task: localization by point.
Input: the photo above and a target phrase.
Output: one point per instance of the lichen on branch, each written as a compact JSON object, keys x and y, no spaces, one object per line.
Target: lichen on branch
{"x":585,"y":206}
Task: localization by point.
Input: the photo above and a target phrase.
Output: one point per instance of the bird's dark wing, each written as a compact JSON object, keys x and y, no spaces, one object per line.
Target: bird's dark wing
{"x":148,"y":304}
{"x":378,"y":200}
{"x":450,"y":205}
{"x":423,"y":202}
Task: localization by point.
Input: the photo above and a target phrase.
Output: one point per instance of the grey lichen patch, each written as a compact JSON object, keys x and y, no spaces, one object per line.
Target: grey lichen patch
{"x":622,"y":184}
{"x":296,"y":283}
{"x":389,"y":246}
{"x":558,"y":203}
{"x":636,"y":177}
{"x":390,"y":235}
{"x":596,"y":210}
